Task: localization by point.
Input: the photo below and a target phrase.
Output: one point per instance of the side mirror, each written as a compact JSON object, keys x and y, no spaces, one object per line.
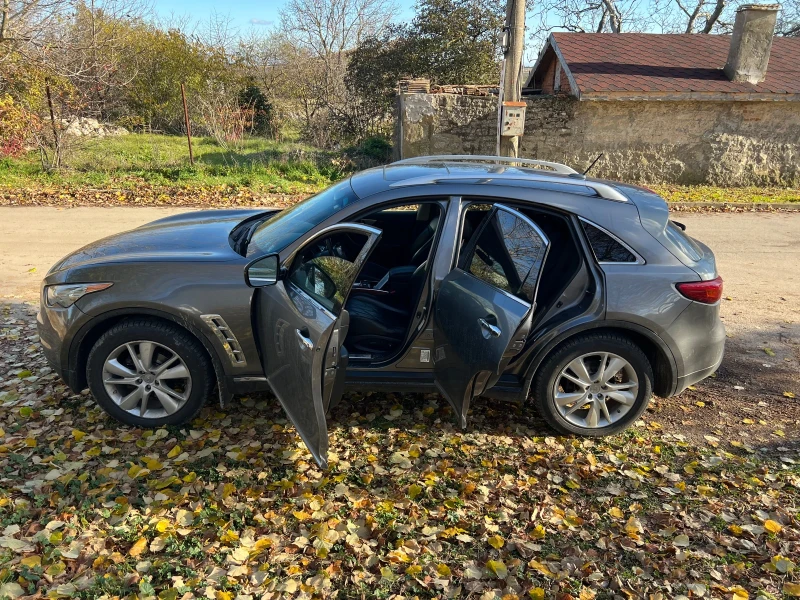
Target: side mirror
{"x":262,"y":271}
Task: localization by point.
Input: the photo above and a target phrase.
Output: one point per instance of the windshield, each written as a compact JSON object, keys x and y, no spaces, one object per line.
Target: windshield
{"x":279,"y":231}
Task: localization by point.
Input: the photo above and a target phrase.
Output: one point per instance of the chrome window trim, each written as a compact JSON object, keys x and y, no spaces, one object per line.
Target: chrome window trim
{"x":639,"y":260}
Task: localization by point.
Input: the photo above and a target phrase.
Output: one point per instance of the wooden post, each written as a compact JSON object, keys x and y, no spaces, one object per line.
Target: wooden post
{"x":56,"y":162}
{"x":188,"y":126}
{"x":510,"y":84}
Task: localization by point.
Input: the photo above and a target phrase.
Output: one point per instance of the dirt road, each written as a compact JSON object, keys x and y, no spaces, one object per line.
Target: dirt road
{"x":33,"y":238}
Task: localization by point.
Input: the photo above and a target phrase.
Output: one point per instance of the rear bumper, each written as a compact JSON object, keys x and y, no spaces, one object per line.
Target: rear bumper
{"x":699,"y":336}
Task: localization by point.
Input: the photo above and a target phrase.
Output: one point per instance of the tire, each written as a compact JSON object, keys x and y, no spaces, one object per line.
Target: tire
{"x":176,"y":400}
{"x":625,"y":396}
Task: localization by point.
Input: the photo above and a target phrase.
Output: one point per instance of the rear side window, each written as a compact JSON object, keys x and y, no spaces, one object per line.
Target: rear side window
{"x":606,"y":249}
{"x":508,"y":255}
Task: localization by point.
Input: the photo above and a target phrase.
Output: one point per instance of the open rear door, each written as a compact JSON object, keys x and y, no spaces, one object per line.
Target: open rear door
{"x":302,"y":322}
{"x":485,"y":305}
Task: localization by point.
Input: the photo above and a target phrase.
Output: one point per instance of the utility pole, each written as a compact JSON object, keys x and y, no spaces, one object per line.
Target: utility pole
{"x":510,"y":84}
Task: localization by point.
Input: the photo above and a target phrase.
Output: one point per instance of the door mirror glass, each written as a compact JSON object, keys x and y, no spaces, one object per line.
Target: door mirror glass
{"x":262,"y":272}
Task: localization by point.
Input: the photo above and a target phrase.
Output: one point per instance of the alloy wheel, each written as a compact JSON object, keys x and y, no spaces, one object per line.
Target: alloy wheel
{"x":596,"y":390}
{"x":147,"y":379}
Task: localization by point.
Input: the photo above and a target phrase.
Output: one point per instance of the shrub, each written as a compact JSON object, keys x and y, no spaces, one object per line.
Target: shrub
{"x":16,"y":126}
{"x":376,"y":148}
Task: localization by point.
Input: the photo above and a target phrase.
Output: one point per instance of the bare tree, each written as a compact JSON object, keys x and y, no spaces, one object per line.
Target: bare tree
{"x":324,"y":32}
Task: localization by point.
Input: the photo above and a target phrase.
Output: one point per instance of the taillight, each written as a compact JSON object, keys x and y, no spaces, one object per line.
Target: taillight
{"x":707,"y":292}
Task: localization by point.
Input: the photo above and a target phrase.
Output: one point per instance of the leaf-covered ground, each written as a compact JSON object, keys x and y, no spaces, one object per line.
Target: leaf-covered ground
{"x":233,"y":506}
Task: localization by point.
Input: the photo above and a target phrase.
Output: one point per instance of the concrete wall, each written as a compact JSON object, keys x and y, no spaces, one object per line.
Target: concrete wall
{"x":720,"y":143}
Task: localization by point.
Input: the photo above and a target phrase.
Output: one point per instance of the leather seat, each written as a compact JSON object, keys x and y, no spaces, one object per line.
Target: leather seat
{"x":420,"y":247}
{"x":377,"y":325}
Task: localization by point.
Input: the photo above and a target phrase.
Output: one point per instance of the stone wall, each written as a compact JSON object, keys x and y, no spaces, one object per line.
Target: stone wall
{"x":685,"y":142}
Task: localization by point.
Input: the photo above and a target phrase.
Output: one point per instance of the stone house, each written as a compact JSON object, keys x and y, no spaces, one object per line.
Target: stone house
{"x":719,"y":109}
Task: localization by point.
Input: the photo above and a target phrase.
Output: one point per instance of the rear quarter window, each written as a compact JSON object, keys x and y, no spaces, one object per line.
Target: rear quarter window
{"x":606,"y":249}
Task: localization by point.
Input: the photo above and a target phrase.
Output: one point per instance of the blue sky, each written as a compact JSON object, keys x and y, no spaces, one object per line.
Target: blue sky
{"x":243,"y":13}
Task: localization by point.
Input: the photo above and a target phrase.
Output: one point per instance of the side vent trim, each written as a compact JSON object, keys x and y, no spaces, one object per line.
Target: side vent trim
{"x":232,"y":347}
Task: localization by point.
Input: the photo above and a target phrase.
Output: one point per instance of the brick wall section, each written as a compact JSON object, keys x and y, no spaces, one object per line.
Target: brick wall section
{"x":681,"y":142}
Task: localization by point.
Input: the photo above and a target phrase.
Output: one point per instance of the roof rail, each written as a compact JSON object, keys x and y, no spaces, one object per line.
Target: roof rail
{"x":500,"y":160}
{"x":601,"y":189}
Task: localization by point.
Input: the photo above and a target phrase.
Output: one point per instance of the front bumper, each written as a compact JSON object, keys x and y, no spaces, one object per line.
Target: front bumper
{"x":55,"y":326}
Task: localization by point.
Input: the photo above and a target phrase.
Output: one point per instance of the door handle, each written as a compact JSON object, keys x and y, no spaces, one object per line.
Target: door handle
{"x":493,"y":330}
{"x":305,"y":342}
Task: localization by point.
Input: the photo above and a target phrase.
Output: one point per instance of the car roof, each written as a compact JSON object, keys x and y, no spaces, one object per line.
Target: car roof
{"x":443,"y":170}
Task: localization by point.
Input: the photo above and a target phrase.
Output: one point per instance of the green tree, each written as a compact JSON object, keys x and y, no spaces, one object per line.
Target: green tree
{"x":448,"y":41}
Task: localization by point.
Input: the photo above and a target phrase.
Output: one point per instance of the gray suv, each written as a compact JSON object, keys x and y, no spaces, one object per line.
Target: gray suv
{"x":470,"y":276}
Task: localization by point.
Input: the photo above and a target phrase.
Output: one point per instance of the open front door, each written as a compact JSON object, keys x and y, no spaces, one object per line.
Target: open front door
{"x":302,"y":323}
{"x":485,"y":305}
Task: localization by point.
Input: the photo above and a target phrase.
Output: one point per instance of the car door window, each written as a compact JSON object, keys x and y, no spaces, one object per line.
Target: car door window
{"x":507,"y":254}
{"x":326,"y":268}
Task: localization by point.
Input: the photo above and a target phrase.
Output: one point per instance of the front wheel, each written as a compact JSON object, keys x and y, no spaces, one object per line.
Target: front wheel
{"x":594,"y":385}
{"x":148,"y":373}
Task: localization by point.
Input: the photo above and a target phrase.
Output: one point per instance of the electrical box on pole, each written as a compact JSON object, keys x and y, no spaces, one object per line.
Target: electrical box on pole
{"x":512,"y":120}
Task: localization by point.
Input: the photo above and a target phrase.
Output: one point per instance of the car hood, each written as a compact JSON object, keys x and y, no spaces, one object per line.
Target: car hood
{"x":188,"y":237}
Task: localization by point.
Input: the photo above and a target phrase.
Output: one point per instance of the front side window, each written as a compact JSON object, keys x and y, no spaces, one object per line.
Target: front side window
{"x":279,"y":231}
{"x":507,"y":254}
{"x":326,"y":268}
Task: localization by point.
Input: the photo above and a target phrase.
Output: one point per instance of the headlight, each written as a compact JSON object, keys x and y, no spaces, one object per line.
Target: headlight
{"x":69,"y":293}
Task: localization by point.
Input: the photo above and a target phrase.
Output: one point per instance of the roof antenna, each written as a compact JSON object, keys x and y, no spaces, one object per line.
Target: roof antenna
{"x":589,"y":168}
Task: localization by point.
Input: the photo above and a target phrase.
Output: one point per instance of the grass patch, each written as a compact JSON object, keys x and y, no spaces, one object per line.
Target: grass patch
{"x":163,"y":160}
{"x":710,"y":193}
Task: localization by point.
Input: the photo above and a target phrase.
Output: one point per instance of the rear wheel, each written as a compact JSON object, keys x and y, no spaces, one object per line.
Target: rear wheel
{"x":147,"y":373}
{"x":594,"y":385}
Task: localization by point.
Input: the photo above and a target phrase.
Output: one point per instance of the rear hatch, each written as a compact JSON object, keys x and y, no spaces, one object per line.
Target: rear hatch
{"x":654,"y":214}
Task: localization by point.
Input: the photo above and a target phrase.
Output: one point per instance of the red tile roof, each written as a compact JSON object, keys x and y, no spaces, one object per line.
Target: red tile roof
{"x":669,"y":63}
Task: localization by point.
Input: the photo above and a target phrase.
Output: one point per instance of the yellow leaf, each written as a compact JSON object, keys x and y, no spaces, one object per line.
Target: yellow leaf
{"x":769,"y":352}
{"x":739,"y":593}
{"x":443,"y":570}
{"x":78,"y":434}
{"x":616,"y":512}
{"x":56,"y":569}
{"x":791,"y":589}
{"x":162,"y":525}
{"x":543,"y":569}
{"x":31,"y":561}
{"x":538,"y":532}
{"x":537,"y":594}
{"x":496,"y":542}
{"x":176,"y":450}
{"x":497,"y":567}
{"x":138,"y":547}
{"x":788,"y":394}
{"x":153,"y":464}
{"x":414,"y":490}
{"x":229,"y":536}
{"x":301,"y":515}
{"x":413,"y":570}
{"x":735,"y":529}
{"x":227,"y":490}
{"x":633,"y":526}
{"x":772,"y":526}
{"x":220,"y":595}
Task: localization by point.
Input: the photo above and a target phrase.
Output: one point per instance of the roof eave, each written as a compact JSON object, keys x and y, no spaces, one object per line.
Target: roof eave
{"x":705,"y":96}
